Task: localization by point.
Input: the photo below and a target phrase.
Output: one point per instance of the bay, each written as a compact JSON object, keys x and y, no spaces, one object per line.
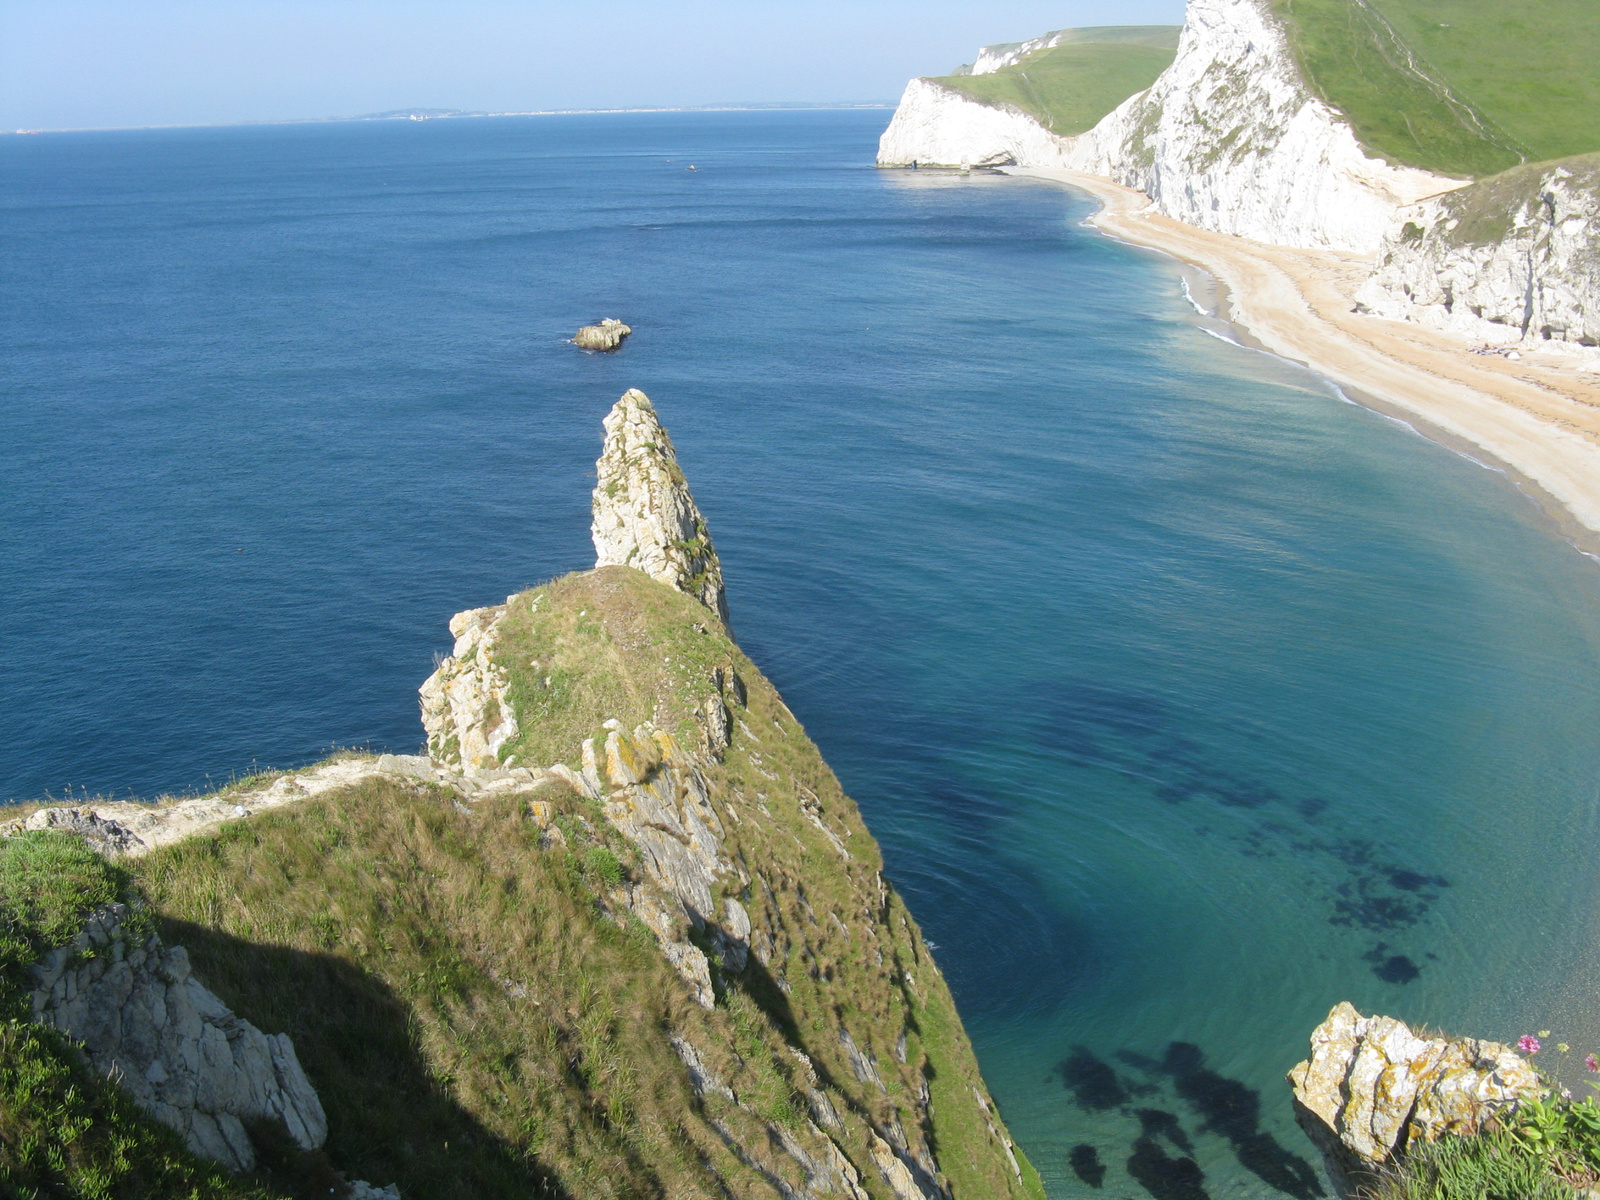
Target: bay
{"x":1185,"y":697}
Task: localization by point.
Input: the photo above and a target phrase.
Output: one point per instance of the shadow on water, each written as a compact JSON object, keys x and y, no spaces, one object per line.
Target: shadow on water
{"x":1165,"y":1177}
{"x":1139,"y":737}
{"x":1226,"y":1109}
{"x":1086,"y":1165}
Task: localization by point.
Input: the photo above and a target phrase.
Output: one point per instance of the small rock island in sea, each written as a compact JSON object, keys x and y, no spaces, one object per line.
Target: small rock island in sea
{"x":604,"y":337}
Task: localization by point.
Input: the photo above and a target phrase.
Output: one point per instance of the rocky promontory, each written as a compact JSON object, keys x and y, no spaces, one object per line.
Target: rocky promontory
{"x":1373,"y":1088}
{"x":618,"y":933}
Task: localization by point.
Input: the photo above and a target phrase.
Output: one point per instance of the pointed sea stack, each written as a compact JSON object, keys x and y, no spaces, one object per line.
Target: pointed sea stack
{"x":644,"y":516}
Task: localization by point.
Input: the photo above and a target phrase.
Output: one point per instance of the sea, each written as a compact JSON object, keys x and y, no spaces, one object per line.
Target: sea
{"x":1186,"y":697}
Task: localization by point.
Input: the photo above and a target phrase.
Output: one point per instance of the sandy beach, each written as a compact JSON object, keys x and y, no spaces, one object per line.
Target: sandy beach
{"x":1538,"y":418}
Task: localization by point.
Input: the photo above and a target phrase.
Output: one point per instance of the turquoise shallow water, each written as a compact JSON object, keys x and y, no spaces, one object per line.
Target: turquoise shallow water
{"x":1186,"y":698}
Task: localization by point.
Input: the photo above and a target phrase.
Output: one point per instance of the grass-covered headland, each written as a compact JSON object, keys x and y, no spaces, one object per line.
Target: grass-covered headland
{"x":1070,"y":86}
{"x":469,"y":993}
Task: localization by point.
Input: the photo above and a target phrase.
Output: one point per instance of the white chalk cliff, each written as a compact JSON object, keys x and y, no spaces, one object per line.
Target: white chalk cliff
{"x":1229,"y":138}
{"x":1514,"y":259}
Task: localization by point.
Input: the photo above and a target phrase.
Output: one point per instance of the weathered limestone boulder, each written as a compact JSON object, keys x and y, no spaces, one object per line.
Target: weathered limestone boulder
{"x":176,"y":1049}
{"x":465,"y":709}
{"x":644,"y":516}
{"x":604,"y":337}
{"x":1372,"y":1087}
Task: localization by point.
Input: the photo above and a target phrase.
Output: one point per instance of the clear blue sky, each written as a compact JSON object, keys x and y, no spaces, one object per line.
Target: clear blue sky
{"x":97,"y":63}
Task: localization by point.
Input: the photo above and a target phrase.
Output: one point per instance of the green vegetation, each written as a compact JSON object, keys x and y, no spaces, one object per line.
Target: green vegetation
{"x":1481,"y":214}
{"x":1456,"y":86}
{"x":1069,"y":87}
{"x":469,"y":993}
{"x":1494,"y":1165}
{"x":65,"y":1132}
{"x":1530,"y":68}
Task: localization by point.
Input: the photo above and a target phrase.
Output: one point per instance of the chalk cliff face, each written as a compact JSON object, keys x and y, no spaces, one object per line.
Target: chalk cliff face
{"x":936,"y":125}
{"x":1513,"y":259}
{"x":1372,"y":1087}
{"x":993,"y":58}
{"x":644,"y":516}
{"x":1229,"y":138}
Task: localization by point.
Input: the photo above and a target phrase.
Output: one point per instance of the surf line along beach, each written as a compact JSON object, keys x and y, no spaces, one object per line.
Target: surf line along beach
{"x":1537,"y":421}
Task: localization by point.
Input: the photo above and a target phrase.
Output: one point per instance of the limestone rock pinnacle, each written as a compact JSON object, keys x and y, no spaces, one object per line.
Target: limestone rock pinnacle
{"x":644,"y":516}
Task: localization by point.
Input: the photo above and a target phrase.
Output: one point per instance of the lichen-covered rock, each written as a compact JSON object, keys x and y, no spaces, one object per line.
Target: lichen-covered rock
{"x":465,"y":708}
{"x":179,"y":1052}
{"x":657,"y":796}
{"x":1372,"y":1087}
{"x":644,"y":516}
{"x":604,"y":337}
{"x":1514,"y":259}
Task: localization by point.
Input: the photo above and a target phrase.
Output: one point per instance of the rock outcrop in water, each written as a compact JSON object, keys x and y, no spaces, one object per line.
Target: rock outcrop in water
{"x":644,"y":516}
{"x":1372,"y":1087}
{"x":604,"y":337}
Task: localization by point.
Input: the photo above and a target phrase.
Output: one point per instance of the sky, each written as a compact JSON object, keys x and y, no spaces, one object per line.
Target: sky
{"x":74,"y":64}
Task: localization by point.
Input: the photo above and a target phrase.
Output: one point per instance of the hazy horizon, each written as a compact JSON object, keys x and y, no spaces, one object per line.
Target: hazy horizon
{"x":78,"y":64}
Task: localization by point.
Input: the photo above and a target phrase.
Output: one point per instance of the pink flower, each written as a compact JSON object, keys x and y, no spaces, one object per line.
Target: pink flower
{"x":1592,"y":1062}
{"x":1529,"y":1044}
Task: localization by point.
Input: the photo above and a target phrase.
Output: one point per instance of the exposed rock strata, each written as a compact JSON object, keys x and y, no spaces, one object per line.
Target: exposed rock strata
{"x":604,"y":337}
{"x":644,"y":516}
{"x":1372,"y":1087}
{"x":1514,"y":259}
{"x":465,"y":709}
{"x":181,"y":1053}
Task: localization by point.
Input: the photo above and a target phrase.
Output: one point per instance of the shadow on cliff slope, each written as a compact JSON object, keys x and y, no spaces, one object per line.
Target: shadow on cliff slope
{"x":389,"y":1115}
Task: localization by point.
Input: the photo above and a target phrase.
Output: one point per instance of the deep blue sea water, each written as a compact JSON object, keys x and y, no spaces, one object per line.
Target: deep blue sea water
{"x":1185,"y":697}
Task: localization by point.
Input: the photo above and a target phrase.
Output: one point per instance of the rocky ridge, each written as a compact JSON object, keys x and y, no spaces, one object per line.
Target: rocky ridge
{"x":812,"y":1027}
{"x":710,"y":900}
{"x":1372,"y":1087}
{"x":644,"y":516}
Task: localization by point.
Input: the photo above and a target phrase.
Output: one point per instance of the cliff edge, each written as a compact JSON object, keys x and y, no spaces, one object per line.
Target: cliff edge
{"x":620,"y":933}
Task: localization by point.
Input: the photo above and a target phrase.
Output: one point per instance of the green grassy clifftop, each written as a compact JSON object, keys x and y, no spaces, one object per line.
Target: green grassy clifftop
{"x":1070,"y":86}
{"x":1455,"y":86}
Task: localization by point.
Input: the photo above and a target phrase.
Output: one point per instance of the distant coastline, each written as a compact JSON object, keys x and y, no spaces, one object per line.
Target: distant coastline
{"x":442,"y":114}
